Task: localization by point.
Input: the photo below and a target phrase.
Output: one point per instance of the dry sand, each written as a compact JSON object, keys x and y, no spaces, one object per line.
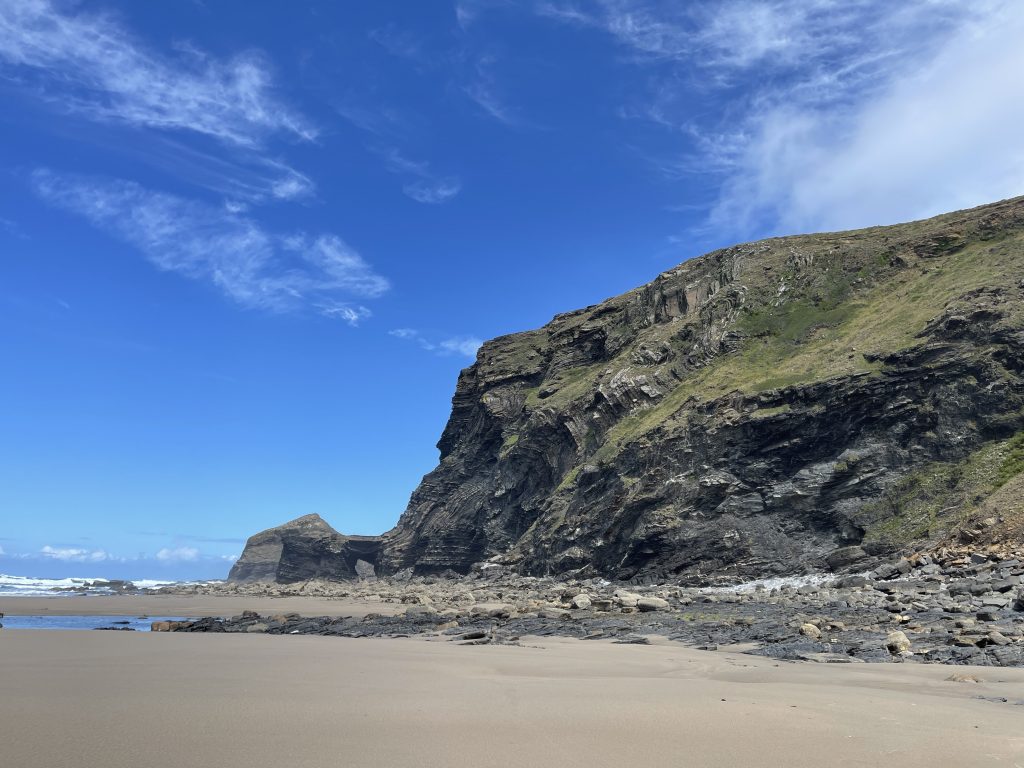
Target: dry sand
{"x":187,"y":606}
{"x":92,"y":699}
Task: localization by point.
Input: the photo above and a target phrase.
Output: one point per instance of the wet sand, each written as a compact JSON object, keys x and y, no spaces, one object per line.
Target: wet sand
{"x":187,"y":606}
{"x":83,"y":699}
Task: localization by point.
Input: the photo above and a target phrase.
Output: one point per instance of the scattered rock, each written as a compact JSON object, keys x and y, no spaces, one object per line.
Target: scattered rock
{"x":581,"y":602}
{"x":811,"y":631}
{"x":943,"y":609}
{"x":897,"y":643}
{"x":958,"y":677}
{"x":845,"y":556}
{"x":648,"y":604}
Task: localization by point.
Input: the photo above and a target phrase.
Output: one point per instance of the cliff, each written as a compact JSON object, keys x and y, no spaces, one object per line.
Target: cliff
{"x":759,"y":410}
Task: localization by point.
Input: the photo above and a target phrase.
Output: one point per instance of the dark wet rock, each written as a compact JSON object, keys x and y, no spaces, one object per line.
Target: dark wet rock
{"x":938,"y":614}
{"x":303,"y":549}
{"x":844,"y":557}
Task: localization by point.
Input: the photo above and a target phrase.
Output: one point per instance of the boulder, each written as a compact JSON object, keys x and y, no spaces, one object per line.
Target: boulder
{"x":648,"y":604}
{"x":897,"y":643}
{"x":845,"y":556}
{"x":811,"y":631}
{"x":581,"y":602}
{"x":625,"y":599}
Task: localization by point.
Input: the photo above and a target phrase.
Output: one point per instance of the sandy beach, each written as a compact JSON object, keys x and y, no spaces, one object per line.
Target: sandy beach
{"x":187,"y":606}
{"x":86,"y":699}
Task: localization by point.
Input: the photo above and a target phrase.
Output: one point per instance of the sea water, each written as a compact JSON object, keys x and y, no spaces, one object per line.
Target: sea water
{"x":27,"y":586}
{"x":138,"y":623}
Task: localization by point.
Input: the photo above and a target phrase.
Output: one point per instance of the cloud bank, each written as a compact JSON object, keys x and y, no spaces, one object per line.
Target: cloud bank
{"x":826,"y":114}
{"x":75,"y":555}
{"x":178,"y":554}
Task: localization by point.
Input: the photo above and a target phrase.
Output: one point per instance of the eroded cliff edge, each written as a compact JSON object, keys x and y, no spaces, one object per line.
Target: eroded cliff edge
{"x":303,"y":549}
{"x":745,"y":414}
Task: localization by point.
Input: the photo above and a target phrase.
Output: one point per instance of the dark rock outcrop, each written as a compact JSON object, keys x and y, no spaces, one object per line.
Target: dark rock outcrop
{"x":949,"y":606}
{"x":303,"y":549}
{"x":743,"y":415}
{"x":792,"y":405}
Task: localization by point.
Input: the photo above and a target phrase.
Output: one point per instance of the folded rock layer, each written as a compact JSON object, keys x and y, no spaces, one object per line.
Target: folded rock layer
{"x":743,"y":415}
{"x":766,"y":409}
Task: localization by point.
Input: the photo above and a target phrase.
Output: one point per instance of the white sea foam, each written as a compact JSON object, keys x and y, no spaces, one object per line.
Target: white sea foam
{"x":152,"y":583}
{"x":27,"y":586}
{"x":810,"y":580}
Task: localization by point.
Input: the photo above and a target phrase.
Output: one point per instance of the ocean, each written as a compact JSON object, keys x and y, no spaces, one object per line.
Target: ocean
{"x":27,"y":586}
{"x":137,"y":623}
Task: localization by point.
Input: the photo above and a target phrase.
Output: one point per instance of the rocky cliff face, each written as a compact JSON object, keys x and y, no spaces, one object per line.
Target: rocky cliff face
{"x":303,"y":549}
{"x":745,"y":414}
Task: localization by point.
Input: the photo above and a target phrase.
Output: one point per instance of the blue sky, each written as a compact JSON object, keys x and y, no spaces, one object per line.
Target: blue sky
{"x":246,"y":249}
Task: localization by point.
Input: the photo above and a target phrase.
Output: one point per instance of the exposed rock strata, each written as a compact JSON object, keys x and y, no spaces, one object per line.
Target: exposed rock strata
{"x":303,"y":549}
{"x":740,"y":416}
{"x":767,"y":409}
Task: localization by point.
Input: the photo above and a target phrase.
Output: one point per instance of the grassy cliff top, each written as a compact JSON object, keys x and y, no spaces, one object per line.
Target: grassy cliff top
{"x":765,"y":315}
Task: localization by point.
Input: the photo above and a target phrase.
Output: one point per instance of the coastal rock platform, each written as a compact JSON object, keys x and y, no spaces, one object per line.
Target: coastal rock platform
{"x":949,"y":606}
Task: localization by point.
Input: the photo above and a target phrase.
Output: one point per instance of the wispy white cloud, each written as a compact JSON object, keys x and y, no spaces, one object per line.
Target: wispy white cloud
{"x":242,"y":176}
{"x":729,"y":34}
{"x":174,"y":553}
{"x":433,"y":191}
{"x":483,"y":90}
{"x":425,"y":187}
{"x":648,"y":27}
{"x":2,"y":553}
{"x":468,"y":11}
{"x":250,"y":265}
{"x":398,"y":42}
{"x":827,"y":47}
{"x":457,"y":345}
{"x":289,"y":184}
{"x":178,"y":555}
{"x":936,"y":132}
{"x":353,"y":314}
{"x":411,"y":334}
{"x":461,"y":345}
{"x":73,"y":554}
{"x":91,"y":64}
{"x":398,"y":163}
{"x":422,"y":183}
{"x":379,"y":120}
{"x":826,"y":113}
{"x":11,"y":228}
{"x":404,"y":333}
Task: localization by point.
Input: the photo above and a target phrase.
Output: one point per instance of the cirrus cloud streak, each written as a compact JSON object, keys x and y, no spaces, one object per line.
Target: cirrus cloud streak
{"x":250,"y":265}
